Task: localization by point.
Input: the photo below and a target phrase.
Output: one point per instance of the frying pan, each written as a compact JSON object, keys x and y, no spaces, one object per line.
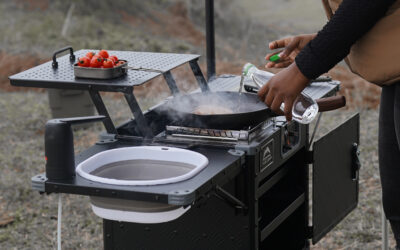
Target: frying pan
{"x":247,"y":109}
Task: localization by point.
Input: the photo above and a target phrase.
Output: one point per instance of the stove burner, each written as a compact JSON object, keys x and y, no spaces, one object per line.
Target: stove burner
{"x":179,"y":133}
{"x":211,"y":134}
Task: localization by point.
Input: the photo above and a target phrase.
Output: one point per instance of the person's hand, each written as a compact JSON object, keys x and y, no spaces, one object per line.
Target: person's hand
{"x":285,"y":86}
{"x":292,"y":47}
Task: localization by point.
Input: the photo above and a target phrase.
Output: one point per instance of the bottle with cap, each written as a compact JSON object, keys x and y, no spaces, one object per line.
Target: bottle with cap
{"x":275,"y":58}
{"x":304,"y":109}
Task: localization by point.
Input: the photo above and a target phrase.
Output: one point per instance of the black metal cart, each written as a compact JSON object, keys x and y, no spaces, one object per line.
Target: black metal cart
{"x":254,"y":194}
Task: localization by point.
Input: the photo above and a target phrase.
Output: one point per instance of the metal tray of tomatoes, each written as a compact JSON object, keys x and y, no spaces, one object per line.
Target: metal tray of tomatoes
{"x":101,"y":73}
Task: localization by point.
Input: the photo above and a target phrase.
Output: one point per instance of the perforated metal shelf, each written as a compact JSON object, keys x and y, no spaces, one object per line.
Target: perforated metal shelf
{"x":44,"y":76}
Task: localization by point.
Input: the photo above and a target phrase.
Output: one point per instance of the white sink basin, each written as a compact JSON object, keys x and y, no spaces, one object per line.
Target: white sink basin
{"x":146,"y":165}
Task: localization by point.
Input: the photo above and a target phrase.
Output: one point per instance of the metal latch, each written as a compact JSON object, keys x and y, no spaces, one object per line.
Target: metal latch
{"x":356,"y":162}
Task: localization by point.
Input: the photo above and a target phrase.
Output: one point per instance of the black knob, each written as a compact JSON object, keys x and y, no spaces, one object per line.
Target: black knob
{"x":59,"y":150}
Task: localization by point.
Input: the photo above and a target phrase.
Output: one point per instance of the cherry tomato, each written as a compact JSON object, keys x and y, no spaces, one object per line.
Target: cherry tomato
{"x":96,"y":62}
{"x":114,"y":58}
{"x":90,"y":54}
{"x":108,"y":63}
{"x":120,"y":63}
{"x":103,"y":53}
{"x":83,"y":61}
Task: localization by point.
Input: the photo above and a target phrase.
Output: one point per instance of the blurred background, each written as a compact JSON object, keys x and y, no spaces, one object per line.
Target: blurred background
{"x":31,"y":30}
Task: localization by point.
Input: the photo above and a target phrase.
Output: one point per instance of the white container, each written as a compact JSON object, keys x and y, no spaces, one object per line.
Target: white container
{"x":145,"y":165}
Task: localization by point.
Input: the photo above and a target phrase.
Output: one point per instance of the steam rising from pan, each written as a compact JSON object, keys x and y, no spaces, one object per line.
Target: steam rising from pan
{"x":219,"y":110}
{"x":227,"y":102}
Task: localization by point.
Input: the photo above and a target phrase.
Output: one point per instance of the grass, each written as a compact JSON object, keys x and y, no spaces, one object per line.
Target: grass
{"x":39,"y":32}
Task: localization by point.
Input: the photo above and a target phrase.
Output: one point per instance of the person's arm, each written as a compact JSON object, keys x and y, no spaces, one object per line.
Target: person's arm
{"x":351,"y":21}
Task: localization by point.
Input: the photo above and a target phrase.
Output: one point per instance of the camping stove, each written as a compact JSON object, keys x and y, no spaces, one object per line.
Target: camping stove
{"x":252,"y":194}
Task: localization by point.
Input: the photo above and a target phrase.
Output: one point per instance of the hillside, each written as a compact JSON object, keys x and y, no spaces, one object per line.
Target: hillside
{"x":32,"y":30}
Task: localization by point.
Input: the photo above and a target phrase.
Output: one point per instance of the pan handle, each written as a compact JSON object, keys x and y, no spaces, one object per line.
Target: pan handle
{"x":331,"y":103}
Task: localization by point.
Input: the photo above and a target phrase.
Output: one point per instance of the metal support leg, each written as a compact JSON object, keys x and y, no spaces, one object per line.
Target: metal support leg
{"x":210,"y":39}
{"x":143,"y":127}
{"x":230,"y":199}
{"x":199,"y":76}
{"x":101,"y":109}
{"x":385,"y":238}
{"x":171,"y":83}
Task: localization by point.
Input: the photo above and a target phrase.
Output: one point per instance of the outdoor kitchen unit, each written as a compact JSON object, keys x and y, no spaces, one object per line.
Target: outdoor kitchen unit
{"x":197,"y":187}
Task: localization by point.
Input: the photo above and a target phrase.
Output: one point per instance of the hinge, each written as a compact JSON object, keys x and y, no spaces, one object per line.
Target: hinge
{"x":310,"y":232}
{"x":310,"y":157}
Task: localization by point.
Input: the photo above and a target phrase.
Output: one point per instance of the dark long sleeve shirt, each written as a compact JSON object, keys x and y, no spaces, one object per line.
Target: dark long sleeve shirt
{"x":350,"y":22}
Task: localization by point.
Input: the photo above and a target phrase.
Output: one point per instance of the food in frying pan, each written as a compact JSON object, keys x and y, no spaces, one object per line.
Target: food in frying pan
{"x":211,"y":110}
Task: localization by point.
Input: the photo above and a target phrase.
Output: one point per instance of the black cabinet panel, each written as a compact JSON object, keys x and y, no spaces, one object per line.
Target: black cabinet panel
{"x":335,"y":190}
